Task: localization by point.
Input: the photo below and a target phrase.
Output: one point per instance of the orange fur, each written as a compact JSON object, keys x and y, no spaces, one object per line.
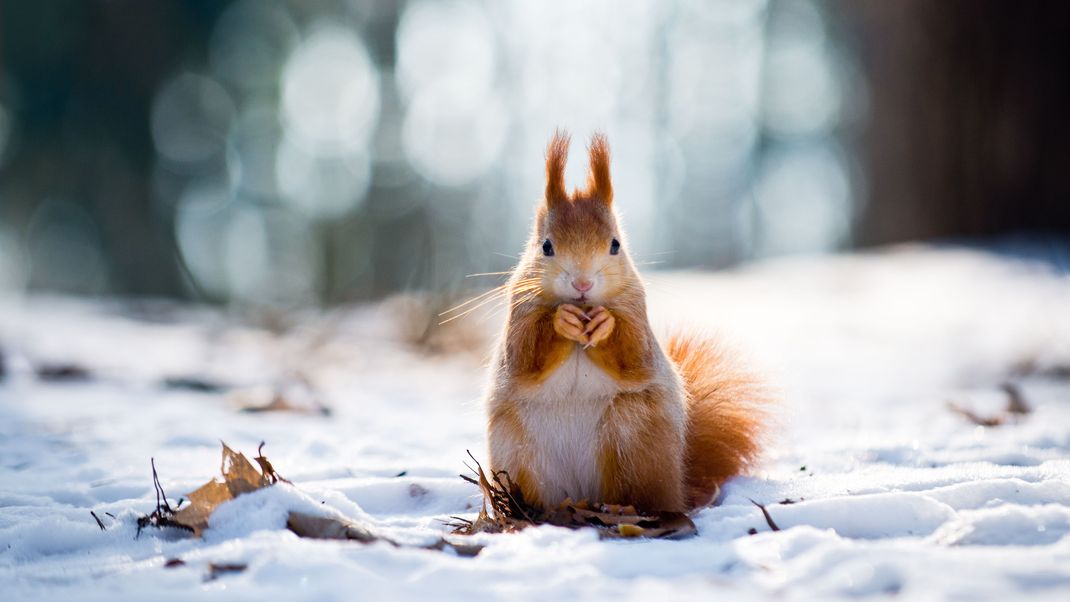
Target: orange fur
{"x":556,"y":158}
{"x":725,"y":414}
{"x":636,"y":441}
{"x":596,"y":408}
{"x":533,"y":349}
{"x":598,"y":182}
{"x":626,"y":353}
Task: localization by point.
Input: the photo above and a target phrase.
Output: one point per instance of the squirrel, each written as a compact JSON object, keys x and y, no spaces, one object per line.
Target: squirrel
{"x":584,"y":403}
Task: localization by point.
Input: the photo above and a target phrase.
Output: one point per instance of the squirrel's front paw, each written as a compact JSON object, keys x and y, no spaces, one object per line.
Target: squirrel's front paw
{"x":568,"y":322}
{"x":600,"y":327}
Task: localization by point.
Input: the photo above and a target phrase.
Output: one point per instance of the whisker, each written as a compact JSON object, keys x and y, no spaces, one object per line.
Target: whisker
{"x":495,"y":290}
{"x":469,"y":310}
{"x":521,"y":287}
{"x":506,"y":273}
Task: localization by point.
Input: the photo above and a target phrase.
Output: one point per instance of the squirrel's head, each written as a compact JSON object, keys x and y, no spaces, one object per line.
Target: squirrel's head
{"x":577,"y":248}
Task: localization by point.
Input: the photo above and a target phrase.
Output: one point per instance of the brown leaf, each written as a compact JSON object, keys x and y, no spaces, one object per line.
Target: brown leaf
{"x":976,"y":418}
{"x":505,"y":510}
{"x":322,"y":527}
{"x":217,"y":570}
{"x":326,"y":527}
{"x":62,"y":372}
{"x":296,"y":395}
{"x":201,"y":504}
{"x":1016,"y":403}
{"x":240,"y":474}
{"x":239,"y":477}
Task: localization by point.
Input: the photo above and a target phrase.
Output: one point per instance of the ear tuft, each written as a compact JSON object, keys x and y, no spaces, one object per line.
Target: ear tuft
{"x":598,"y":182}
{"x":556,"y":158}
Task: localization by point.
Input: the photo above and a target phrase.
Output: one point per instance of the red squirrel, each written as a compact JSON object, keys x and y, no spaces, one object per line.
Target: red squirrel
{"x":584,"y":403}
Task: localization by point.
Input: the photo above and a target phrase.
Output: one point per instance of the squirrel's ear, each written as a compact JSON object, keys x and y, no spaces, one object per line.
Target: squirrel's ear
{"x":556,"y":157}
{"x":598,"y":182}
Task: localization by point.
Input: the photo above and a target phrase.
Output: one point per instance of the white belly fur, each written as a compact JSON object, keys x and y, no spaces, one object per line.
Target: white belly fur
{"x":562,"y":418}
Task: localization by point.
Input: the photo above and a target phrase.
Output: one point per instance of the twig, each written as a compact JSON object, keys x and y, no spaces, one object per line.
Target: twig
{"x":99,"y":522}
{"x":765,"y":513}
{"x":1016,"y":403}
{"x":163,"y":515}
{"x":160,"y":495}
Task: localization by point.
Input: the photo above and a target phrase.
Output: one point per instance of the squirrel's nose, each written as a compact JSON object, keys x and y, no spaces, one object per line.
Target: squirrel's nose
{"x":582,"y":284}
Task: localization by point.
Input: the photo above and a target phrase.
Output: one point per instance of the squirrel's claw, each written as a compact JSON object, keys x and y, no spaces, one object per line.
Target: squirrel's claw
{"x":568,"y":325}
{"x":600,"y":326}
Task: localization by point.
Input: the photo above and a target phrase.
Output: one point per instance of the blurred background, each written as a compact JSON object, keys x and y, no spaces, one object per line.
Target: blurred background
{"x":295,"y":153}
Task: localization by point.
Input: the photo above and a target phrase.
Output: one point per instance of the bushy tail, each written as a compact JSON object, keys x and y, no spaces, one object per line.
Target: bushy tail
{"x":727,"y":415}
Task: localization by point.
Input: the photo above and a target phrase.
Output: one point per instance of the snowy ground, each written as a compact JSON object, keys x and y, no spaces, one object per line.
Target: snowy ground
{"x":893,"y":493}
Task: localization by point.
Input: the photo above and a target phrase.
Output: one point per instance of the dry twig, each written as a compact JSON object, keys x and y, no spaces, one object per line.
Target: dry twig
{"x":505,"y":510}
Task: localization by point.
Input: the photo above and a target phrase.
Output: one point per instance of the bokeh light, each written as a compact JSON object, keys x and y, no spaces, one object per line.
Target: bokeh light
{"x":5,"y":131}
{"x":301,"y":154}
{"x":190,"y":120}
{"x":803,"y":197}
{"x":321,"y":187}
{"x":249,"y":44}
{"x":330,"y":92}
{"x":455,"y":124}
{"x":12,"y":264}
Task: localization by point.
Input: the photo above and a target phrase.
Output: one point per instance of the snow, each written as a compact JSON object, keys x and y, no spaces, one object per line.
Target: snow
{"x":891,"y":492}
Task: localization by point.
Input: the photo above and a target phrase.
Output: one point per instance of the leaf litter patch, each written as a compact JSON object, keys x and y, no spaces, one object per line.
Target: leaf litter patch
{"x":239,"y":477}
{"x":505,"y":511}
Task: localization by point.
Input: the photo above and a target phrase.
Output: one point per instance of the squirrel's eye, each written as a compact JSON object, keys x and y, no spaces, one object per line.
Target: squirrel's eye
{"x":547,"y":248}
{"x":614,"y":247}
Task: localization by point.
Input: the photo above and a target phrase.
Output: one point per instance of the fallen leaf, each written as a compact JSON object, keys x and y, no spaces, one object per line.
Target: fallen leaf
{"x":61,"y":372}
{"x":976,"y":418}
{"x":217,"y":570}
{"x":321,"y":527}
{"x":505,"y":510}
{"x":1016,"y":403}
{"x":239,"y":477}
{"x":201,"y":504}
{"x":193,"y":383}
{"x":296,"y":395}
{"x":327,"y":527}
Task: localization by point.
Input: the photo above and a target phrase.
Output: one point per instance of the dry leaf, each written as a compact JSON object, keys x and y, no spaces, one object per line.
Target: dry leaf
{"x":62,"y":372}
{"x":325,"y":527}
{"x":321,"y":527}
{"x":217,"y":570}
{"x":505,"y":510}
{"x":976,"y":418}
{"x":239,"y":476}
{"x":1016,"y":403}
{"x":1016,"y":409}
{"x":295,"y":395}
